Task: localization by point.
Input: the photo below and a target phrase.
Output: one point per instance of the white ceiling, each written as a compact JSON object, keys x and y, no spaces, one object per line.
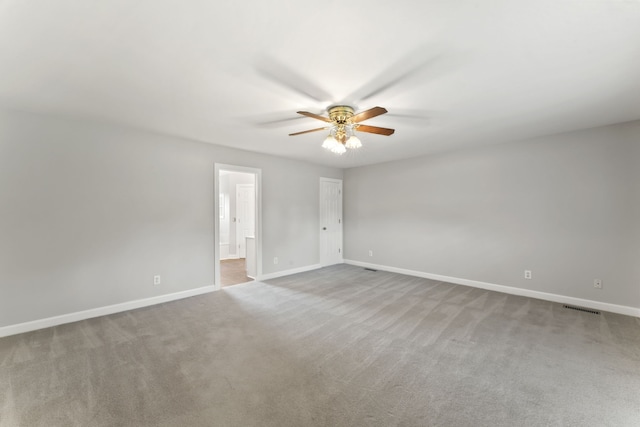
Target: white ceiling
{"x":451,"y":73}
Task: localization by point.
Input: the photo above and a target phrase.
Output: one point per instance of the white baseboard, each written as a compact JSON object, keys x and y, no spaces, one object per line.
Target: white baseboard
{"x":562,"y":299}
{"x":289,"y":272}
{"x":100,"y":311}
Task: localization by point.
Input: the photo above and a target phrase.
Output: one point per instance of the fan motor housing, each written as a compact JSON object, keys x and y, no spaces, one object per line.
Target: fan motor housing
{"x":341,"y":114}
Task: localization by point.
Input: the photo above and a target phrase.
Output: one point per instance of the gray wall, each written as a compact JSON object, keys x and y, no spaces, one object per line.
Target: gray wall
{"x":566,"y":207}
{"x":90,"y":212}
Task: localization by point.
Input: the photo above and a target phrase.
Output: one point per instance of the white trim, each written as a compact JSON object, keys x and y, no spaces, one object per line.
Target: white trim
{"x":217,"y":167}
{"x":562,"y":299}
{"x":334,"y":180}
{"x":224,"y":250}
{"x":100,"y":311}
{"x":289,"y":272}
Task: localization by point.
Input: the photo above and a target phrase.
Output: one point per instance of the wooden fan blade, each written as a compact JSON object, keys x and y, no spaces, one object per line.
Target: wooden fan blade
{"x":373,"y":112}
{"x":315,"y":116}
{"x":307,"y":131}
{"x":375,"y":129}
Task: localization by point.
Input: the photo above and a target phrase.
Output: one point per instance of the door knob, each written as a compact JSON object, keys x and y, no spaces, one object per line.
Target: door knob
{"x":324,"y":228}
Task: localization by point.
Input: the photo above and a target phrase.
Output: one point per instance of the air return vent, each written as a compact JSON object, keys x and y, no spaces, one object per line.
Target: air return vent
{"x":586,"y":310}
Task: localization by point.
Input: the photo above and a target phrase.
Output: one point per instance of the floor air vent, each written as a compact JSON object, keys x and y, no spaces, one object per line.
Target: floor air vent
{"x":586,"y":310}
{"x":370,"y":269}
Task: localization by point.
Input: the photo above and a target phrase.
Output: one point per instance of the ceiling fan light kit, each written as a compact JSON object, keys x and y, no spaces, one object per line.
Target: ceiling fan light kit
{"x":343,"y":124}
{"x":332,"y":144}
{"x":353,"y":142}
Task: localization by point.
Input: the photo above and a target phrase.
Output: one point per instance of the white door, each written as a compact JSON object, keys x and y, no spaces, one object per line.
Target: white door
{"x":330,"y":221}
{"x":245,"y":216}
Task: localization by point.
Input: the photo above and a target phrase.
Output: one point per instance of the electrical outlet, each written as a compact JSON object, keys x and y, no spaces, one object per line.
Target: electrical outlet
{"x":527,"y":274}
{"x":370,"y":252}
{"x":597,"y":283}
{"x":156,"y":280}
{"x":275,"y":259}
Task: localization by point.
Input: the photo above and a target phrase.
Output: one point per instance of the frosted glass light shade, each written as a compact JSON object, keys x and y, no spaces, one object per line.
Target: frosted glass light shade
{"x":353,"y":142}
{"x":329,"y":142}
{"x":338,"y":148}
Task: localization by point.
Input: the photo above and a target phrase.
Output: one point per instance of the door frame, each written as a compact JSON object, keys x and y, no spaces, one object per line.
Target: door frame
{"x":321,"y":260}
{"x":238,"y":241}
{"x":257,"y":173}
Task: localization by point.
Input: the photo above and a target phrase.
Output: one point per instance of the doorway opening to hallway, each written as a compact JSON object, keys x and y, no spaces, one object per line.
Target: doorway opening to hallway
{"x":237,"y":224}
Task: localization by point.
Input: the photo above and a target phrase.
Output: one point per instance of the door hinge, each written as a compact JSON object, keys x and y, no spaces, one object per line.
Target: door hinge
{"x":339,"y":250}
{"x":339,"y":221}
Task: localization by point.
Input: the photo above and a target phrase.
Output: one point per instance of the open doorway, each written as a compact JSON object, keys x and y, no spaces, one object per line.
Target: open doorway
{"x":237,"y":236}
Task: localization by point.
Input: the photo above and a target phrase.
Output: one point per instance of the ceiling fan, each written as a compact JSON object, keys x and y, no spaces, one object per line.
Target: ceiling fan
{"x":343,"y":122}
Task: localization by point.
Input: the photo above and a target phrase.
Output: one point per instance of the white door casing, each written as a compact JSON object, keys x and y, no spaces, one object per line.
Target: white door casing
{"x":257,"y":173}
{"x":330,"y":221}
{"x":245,"y":216}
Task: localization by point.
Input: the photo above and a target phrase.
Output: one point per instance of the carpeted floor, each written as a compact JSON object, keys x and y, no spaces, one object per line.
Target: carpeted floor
{"x":339,"y":346}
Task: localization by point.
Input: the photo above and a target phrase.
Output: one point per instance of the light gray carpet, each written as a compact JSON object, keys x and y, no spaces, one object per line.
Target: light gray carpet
{"x":339,"y":346}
